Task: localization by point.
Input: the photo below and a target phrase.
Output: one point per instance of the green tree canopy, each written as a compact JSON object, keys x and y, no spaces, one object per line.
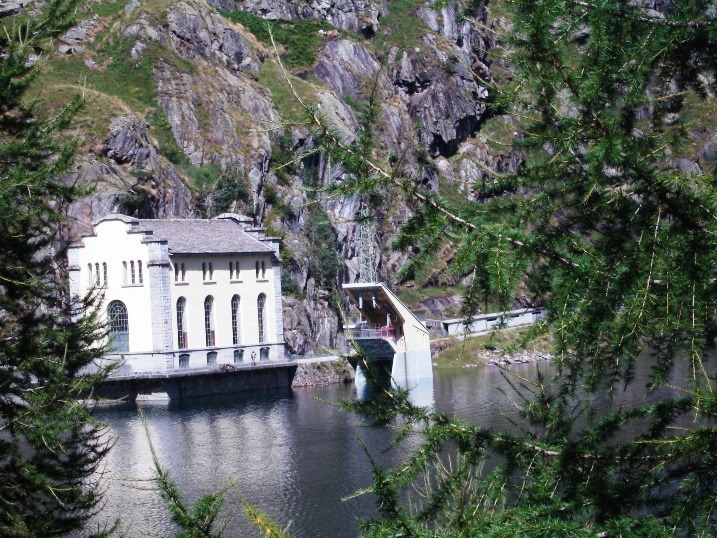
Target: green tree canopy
{"x":618,"y":243}
{"x":50,"y":447}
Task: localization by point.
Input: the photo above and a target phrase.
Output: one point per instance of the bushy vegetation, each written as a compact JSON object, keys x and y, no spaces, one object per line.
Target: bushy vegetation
{"x":323,"y":253}
{"x":400,"y":27}
{"x":300,"y":39}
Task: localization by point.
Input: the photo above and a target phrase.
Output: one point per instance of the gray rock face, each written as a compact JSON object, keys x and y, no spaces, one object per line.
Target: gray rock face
{"x":127,"y":166}
{"x":12,"y":7}
{"x":219,"y":113}
{"x":195,"y":33}
{"x":70,"y":42}
{"x":309,"y":323}
{"x":351,"y":15}
{"x":127,"y":142}
{"x":446,"y":106}
{"x":342,"y":64}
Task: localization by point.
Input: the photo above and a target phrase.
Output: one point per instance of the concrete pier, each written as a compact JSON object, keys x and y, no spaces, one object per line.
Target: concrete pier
{"x":191,"y":383}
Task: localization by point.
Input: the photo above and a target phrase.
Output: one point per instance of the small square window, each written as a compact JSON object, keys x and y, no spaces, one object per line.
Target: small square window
{"x":184,"y":360}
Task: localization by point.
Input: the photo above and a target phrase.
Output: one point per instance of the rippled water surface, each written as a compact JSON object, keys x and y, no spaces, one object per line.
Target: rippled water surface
{"x":292,"y":453}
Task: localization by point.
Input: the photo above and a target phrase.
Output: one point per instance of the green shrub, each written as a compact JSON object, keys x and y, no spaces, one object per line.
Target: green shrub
{"x":231,"y":187}
{"x":301,"y":39}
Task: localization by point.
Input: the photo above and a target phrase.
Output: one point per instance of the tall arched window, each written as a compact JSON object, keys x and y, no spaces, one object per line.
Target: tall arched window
{"x":236,"y":321}
{"x":118,"y":327}
{"x":90,"y":276}
{"x":104,"y":273}
{"x":98,"y":276}
{"x":139,"y":272}
{"x":182,"y":341}
{"x":261,"y":316}
{"x":131,"y":271}
{"x":209,"y":321}
{"x":124,"y":273}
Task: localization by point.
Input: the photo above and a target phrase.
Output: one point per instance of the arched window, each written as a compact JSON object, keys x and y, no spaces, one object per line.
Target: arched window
{"x":176,"y":272}
{"x":261,"y":316}
{"x":118,"y":327}
{"x":209,"y":321}
{"x":204,"y":271}
{"x":257,"y":269}
{"x":211,"y":271}
{"x":236,"y":321}
{"x":131,"y":271}
{"x":90,"y":276}
{"x":104,"y":273}
{"x":98,"y":276}
{"x":124,"y":273}
{"x":184,"y":273}
{"x":231,"y":270}
{"x":263,"y":270}
{"x":238,"y":356}
{"x":139,"y":272}
{"x":182,"y":341}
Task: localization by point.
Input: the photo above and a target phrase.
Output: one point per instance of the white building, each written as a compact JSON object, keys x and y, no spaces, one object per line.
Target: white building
{"x":183,"y":293}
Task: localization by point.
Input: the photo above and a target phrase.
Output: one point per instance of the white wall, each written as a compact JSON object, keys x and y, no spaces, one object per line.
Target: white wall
{"x":248,"y":287}
{"x":112,"y":245}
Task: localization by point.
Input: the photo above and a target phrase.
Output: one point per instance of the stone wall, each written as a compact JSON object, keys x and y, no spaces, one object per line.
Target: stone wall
{"x":323,"y":373}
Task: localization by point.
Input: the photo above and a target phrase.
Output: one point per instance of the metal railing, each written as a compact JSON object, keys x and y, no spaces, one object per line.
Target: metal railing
{"x":373,"y":331}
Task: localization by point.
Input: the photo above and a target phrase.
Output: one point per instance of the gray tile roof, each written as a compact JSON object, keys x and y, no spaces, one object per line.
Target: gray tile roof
{"x":195,"y":236}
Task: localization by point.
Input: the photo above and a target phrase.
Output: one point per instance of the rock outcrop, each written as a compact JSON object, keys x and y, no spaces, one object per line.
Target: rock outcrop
{"x":324,"y":372}
{"x":224,"y":101}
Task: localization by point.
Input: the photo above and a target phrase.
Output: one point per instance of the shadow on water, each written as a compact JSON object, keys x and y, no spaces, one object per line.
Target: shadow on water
{"x":293,"y":455}
{"x":406,"y":370}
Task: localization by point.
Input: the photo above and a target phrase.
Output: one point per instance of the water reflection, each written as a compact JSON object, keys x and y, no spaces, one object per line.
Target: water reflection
{"x":292,"y":454}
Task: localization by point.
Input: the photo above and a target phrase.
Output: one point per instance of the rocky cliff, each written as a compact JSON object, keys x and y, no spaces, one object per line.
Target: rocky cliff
{"x":189,"y":113}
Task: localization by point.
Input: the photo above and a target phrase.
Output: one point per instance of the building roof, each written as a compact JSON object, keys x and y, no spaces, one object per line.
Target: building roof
{"x":198,"y":236}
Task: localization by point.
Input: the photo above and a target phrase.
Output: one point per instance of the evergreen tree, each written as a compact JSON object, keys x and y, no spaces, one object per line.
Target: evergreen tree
{"x":50,"y":447}
{"x":619,"y":245}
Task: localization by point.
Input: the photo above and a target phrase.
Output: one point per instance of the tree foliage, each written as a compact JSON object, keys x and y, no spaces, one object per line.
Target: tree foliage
{"x":50,"y":447}
{"x":323,"y":252}
{"x":618,"y":244}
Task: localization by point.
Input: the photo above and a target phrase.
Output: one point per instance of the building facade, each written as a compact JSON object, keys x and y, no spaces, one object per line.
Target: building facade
{"x":183,"y":293}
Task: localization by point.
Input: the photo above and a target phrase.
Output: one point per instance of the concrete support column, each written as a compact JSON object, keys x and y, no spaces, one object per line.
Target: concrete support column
{"x":160,"y":305}
{"x":279,"y":312}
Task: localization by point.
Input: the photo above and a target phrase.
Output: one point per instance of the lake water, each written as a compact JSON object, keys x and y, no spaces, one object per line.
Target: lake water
{"x":292,"y":453}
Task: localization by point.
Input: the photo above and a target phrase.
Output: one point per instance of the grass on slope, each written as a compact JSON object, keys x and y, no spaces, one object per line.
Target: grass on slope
{"x":401,"y":28}
{"x":300,"y":39}
{"x":473,"y":350}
